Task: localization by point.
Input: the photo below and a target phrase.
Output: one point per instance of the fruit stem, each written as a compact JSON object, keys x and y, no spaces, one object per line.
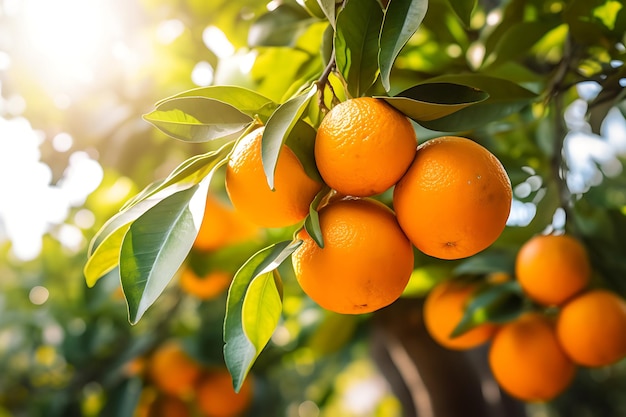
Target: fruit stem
{"x":322,"y":82}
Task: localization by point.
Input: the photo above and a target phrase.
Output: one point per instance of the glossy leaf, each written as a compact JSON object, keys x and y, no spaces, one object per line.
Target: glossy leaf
{"x":261,"y":310}
{"x":356,"y":44}
{"x":106,"y":257}
{"x":240,"y":352}
{"x":505,"y":98}
{"x":494,"y":304}
{"x":156,"y":245}
{"x":328,"y":7}
{"x":301,"y":141}
{"x":277,"y":129}
{"x":279,"y":27}
{"x":186,"y":175}
{"x":432,"y":101}
{"x":198,"y":119}
{"x":463,"y":9}
{"x":246,"y":101}
{"x":312,"y":221}
{"x":402,"y":19}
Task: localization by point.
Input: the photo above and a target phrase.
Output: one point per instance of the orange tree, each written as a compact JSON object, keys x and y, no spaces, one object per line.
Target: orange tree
{"x":538,"y":85}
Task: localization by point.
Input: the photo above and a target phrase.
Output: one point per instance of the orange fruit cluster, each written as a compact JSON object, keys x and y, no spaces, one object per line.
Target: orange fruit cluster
{"x":452,"y":198}
{"x":179,"y":386}
{"x":589,"y":327}
{"x":535,"y":356}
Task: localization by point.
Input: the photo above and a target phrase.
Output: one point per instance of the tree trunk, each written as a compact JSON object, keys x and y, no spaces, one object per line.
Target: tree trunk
{"x":429,"y":380}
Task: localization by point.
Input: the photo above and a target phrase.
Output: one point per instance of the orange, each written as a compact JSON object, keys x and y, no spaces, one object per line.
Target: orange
{"x":552,"y":269}
{"x":214,"y":230}
{"x":204,"y":287}
{"x":592,"y":328}
{"x":443,"y":310}
{"x":172,"y":370}
{"x":527,"y":360}
{"x":454,"y":200}
{"x":366,"y":261}
{"x":216,"y":397}
{"x":363,"y":146}
{"x":168,"y":406}
{"x":222,"y":226}
{"x":250,"y":193}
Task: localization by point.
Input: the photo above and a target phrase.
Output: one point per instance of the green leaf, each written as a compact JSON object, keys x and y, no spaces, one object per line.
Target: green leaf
{"x":432,"y":101}
{"x":279,"y":27}
{"x":356,"y":44}
{"x":328,"y":7}
{"x":488,"y":261}
{"x":301,"y":141}
{"x":312,"y":221}
{"x":463,"y":9}
{"x":198,"y":119}
{"x":402,"y":19}
{"x":261,"y":310}
{"x":106,"y":257}
{"x":239,"y":351}
{"x":495,"y":304}
{"x":186,"y":175}
{"x":277,"y":129}
{"x":123,"y":399}
{"x":246,"y":101}
{"x":505,"y":98}
{"x":518,"y":40}
{"x":156,"y":245}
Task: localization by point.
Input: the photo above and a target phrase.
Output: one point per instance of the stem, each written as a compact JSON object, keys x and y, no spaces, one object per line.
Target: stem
{"x":322,"y":82}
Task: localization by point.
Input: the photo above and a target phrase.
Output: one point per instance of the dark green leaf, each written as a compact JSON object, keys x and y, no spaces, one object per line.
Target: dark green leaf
{"x":239,"y":351}
{"x":432,"y":101}
{"x":463,"y":9}
{"x":198,"y":119}
{"x":495,"y":304}
{"x":277,"y":129}
{"x":246,"y":101}
{"x":301,"y":141}
{"x":122,"y":401}
{"x":488,"y":261}
{"x":312,"y":222}
{"x":505,"y":98}
{"x":279,"y":27}
{"x":356,"y":44}
{"x":518,"y":40}
{"x":402,"y":19}
{"x":156,"y":245}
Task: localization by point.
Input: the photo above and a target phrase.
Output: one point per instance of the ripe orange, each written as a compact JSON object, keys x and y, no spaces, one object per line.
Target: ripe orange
{"x":592,"y":328}
{"x":168,"y":406}
{"x":552,"y":269}
{"x":527,"y":360}
{"x":454,"y":200}
{"x":366,"y":261}
{"x":363,"y":146}
{"x":443,"y":310}
{"x":173,"y":371}
{"x":221,"y":226}
{"x":250,"y":194}
{"x":204,"y":287}
{"x":216,"y":397}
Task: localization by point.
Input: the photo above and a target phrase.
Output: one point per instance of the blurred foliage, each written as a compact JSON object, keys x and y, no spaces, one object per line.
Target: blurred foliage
{"x":69,"y":350}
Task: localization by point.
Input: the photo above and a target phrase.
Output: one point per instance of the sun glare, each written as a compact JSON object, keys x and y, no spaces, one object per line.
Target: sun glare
{"x":68,"y":39}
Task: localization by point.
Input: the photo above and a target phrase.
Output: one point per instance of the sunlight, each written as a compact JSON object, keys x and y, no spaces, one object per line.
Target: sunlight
{"x":67,"y":39}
